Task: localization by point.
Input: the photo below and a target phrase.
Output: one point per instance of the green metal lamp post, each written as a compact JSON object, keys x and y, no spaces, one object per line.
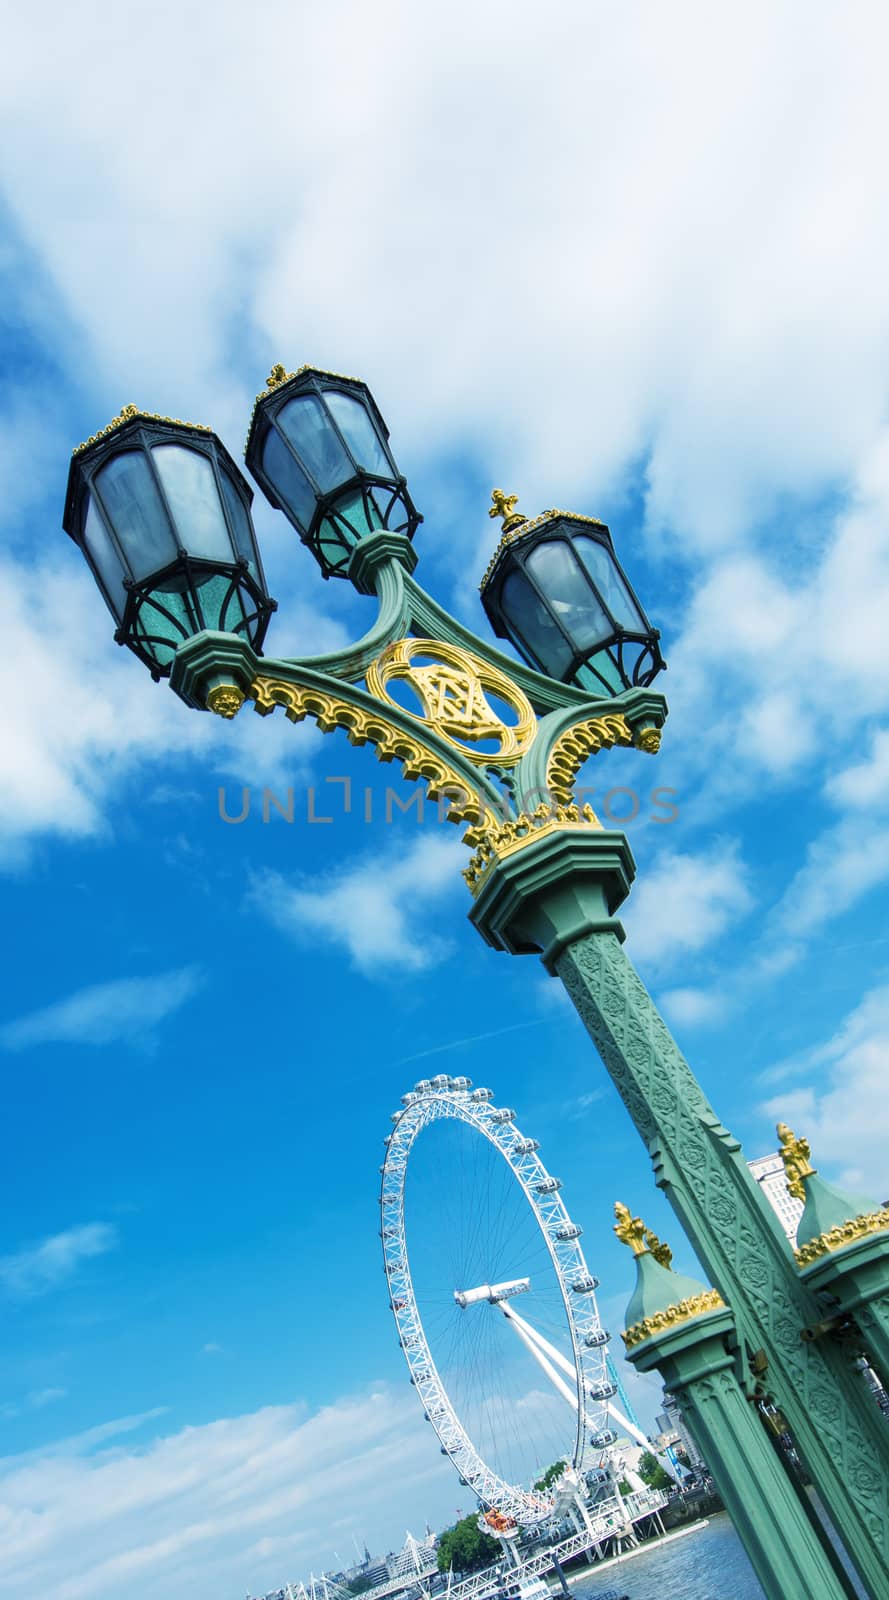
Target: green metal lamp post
{"x":545,"y":877}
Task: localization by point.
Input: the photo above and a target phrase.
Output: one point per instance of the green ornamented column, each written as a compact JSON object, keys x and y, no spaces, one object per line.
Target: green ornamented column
{"x":554,"y":888}
{"x":842,"y":1253}
{"x":686,"y":1332}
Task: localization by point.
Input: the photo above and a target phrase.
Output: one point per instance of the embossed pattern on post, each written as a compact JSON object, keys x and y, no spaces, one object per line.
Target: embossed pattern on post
{"x":838,"y":1429}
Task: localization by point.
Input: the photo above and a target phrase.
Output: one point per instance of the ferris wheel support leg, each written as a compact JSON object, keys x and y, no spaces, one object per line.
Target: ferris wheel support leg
{"x":558,"y":895}
{"x":558,"y":1382}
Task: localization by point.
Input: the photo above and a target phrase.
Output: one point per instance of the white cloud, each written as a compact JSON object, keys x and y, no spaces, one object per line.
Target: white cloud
{"x":101,"y":718}
{"x":242,"y":1502}
{"x":45,"y":1266}
{"x":38,"y":1398}
{"x":684,"y":903}
{"x":368,"y":907}
{"x":693,"y":1008}
{"x":126,"y":1008}
{"x":843,"y":864}
{"x":33,"y":1401}
{"x":689,"y":308}
{"x":775,"y":660}
{"x":864,"y":783}
{"x":689,"y":325}
{"x":846,"y":1119}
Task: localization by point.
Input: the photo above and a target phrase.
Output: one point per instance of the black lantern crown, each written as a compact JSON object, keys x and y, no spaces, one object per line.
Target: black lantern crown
{"x":556,"y":590}
{"x":319,"y":449}
{"x":162,"y":515}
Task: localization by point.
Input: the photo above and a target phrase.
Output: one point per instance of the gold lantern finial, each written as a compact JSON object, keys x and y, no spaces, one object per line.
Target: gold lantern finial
{"x":278,"y":375}
{"x":504,"y":506}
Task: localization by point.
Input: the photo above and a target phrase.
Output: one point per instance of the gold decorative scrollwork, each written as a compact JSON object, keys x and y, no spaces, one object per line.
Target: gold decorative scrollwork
{"x":845,"y":1233}
{"x":572,"y":748}
{"x":280,"y":375}
{"x":517,"y":530}
{"x":495,"y":840}
{"x":126,"y":414}
{"x":450,"y":687}
{"x":673,"y":1316}
{"x":364,"y":727}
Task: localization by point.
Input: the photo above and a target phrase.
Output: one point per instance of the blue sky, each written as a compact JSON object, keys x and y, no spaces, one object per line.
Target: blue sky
{"x":621,"y":263}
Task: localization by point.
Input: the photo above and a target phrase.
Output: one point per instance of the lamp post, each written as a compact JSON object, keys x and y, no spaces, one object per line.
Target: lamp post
{"x":171,"y":545}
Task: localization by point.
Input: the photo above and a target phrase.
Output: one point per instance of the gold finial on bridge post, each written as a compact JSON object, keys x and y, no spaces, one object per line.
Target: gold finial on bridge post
{"x":633,"y":1232}
{"x":796,"y":1154}
{"x":630,"y":1230}
{"x":504,"y":506}
{"x":662,"y":1253}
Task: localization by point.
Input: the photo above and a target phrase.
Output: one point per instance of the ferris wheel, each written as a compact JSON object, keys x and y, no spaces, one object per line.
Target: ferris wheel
{"x":472,"y":1223}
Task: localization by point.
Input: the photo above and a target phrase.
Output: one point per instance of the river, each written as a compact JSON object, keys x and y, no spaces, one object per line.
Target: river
{"x":705,"y":1564}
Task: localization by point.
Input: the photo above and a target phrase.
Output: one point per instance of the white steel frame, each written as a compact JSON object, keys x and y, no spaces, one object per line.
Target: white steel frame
{"x":432,"y":1101}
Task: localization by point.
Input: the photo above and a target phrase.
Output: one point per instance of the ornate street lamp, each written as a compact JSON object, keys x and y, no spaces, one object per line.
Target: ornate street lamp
{"x":169,"y":540}
{"x":556,"y":590}
{"x":319,"y":449}
{"x":162,"y":515}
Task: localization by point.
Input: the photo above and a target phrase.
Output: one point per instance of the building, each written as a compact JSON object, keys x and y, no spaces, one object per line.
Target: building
{"x":672,"y":1425}
{"x":770,"y":1175}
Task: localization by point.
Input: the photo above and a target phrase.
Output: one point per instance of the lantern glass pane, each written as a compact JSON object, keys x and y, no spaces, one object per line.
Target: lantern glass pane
{"x":361,"y":516}
{"x":359,"y":432}
{"x":111,"y":570}
{"x":601,"y":675}
{"x":568,"y":593}
{"x":288,"y":479}
{"x":240,"y":519}
{"x":189,"y":484}
{"x":307,"y":426}
{"x":528,"y":617}
{"x":136,"y":512}
{"x":601,"y":568}
{"x":165,"y":618}
{"x":221,"y":603}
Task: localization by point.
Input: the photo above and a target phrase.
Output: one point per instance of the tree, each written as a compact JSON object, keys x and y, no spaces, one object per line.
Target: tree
{"x":550,"y":1475}
{"x":652,"y":1473}
{"x":465,"y":1548}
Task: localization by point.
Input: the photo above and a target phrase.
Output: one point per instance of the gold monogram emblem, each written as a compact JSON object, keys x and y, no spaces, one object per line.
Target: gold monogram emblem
{"x":450,"y":685}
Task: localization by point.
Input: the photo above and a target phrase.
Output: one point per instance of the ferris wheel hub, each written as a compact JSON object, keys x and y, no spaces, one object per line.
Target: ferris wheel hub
{"x":492,"y":1292}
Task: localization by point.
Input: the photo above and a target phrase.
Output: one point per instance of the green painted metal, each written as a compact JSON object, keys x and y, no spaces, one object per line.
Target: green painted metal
{"x":840,"y":1433}
{"x":828,"y":1207}
{"x":657,"y":1289}
{"x":696,"y":1360}
{"x":854,"y":1282}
